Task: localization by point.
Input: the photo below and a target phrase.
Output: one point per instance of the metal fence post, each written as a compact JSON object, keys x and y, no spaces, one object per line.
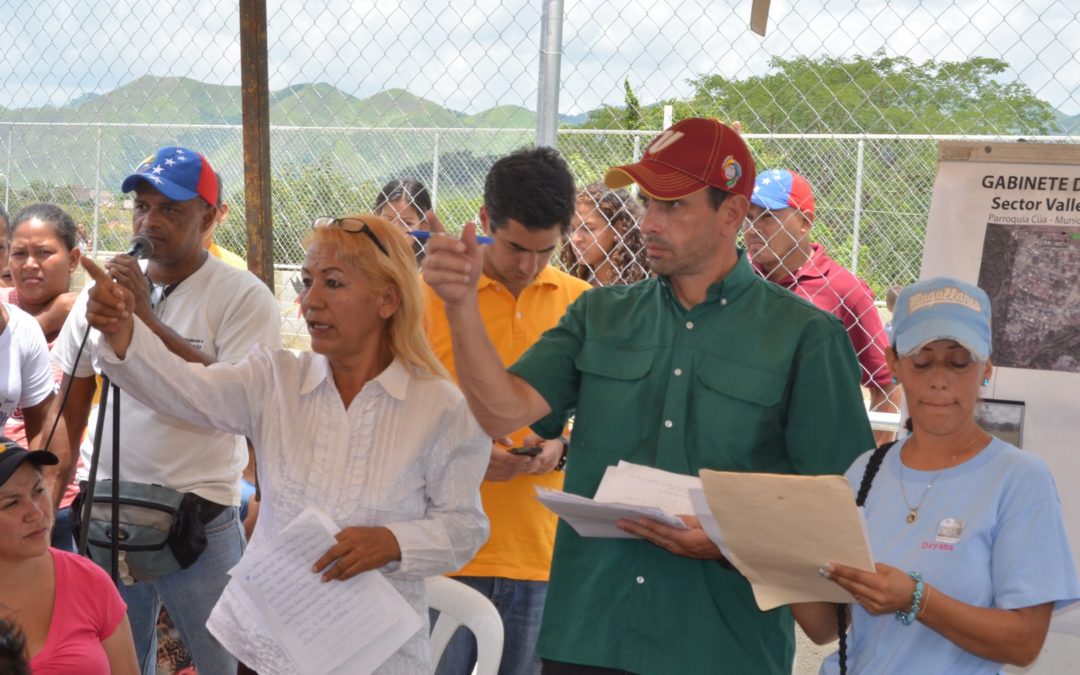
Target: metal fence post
{"x":858,"y":206}
{"x":435,"y":174}
{"x":547,"y":104}
{"x":7,"y":171}
{"x":97,"y":194}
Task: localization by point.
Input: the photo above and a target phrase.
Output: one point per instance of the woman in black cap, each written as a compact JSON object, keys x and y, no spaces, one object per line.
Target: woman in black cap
{"x":70,"y":613}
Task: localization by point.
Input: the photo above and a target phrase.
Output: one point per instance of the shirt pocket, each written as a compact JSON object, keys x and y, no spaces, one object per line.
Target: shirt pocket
{"x":616,"y":396}
{"x":615,"y":363}
{"x":738,"y":416}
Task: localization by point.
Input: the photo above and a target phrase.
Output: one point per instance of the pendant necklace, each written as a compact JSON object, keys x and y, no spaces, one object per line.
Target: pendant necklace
{"x":913,"y":511}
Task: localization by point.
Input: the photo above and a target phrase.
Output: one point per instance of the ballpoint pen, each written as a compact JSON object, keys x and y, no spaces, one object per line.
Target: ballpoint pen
{"x":424,"y":235}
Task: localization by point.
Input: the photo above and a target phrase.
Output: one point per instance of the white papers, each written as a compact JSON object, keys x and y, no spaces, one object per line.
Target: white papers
{"x":595,"y":519}
{"x":639,"y":485}
{"x":629,"y":491}
{"x":778,"y":530}
{"x":348,"y":626}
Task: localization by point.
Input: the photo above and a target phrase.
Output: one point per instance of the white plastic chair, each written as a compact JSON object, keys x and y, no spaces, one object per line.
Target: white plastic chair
{"x":459,"y":605}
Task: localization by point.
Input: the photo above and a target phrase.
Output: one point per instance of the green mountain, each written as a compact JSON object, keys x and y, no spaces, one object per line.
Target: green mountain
{"x":60,"y":145}
{"x":1069,"y":124}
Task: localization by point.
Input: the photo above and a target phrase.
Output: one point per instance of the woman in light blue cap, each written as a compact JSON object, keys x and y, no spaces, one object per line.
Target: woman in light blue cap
{"x":968,"y":528}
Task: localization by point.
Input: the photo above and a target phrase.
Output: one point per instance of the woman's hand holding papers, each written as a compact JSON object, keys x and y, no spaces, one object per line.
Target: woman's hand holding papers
{"x":359,"y":549}
{"x":881,"y":592}
{"x":690,"y":543}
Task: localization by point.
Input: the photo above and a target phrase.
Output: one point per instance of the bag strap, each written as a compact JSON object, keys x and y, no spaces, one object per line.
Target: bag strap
{"x":114,"y":537}
{"x":91,"y":482}
{"x":88,"y":501}
{"x":872,"y":466}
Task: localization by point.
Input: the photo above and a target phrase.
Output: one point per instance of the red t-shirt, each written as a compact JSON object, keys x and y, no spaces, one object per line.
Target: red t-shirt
{"x":87,"y":610}
{"x":837,"y":291}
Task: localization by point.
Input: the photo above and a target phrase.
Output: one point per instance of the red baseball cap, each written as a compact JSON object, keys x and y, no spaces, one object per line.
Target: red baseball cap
{"x":691,"y":155}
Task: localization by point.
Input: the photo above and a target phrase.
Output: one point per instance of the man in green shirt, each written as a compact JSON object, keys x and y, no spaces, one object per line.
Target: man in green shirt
{"x":706,"y":366}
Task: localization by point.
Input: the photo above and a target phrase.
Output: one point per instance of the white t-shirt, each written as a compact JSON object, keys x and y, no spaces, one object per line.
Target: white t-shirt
{"x":221,"y":311}
{"x":25,"y":378}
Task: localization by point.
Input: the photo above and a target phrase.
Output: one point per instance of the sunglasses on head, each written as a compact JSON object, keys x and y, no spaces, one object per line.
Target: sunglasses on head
{"x":352,"y":226}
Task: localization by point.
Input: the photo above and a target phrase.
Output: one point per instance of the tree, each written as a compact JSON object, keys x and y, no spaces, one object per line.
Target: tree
{"x":877,"y":94}
{"x":632,"y":111}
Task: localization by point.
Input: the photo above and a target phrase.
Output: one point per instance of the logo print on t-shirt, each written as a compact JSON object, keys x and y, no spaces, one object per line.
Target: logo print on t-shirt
{"x":949,"y":530}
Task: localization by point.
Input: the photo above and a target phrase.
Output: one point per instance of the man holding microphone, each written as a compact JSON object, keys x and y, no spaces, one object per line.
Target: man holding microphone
{"x":204,"y":311}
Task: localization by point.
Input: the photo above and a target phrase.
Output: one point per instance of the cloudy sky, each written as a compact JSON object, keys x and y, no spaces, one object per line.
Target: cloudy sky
{"x":470,"y":55}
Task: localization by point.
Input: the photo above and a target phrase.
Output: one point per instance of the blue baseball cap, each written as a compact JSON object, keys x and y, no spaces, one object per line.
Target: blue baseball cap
{"x":778,"y":189}
{"x":12,"y":455}
{"x":942,"y":309}
{"x":178,"y":173}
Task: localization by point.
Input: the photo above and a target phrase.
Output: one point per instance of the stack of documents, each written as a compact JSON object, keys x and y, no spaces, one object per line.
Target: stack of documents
{"x":627,"y":491}
{"x":349,"y":626}
{"x":778,"y":530}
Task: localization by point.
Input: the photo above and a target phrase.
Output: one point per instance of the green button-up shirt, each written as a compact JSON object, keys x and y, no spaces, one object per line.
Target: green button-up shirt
{"x":751,"y":379}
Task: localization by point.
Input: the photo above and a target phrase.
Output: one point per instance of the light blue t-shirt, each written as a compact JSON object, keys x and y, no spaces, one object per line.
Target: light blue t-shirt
{"x":989,"y":533}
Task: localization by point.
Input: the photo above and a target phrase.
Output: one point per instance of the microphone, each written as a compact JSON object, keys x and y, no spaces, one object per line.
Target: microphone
{"x":141,"y":248}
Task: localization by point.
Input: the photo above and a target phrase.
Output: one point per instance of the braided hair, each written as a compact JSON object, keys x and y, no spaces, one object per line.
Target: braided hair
{"x":843,"y":611}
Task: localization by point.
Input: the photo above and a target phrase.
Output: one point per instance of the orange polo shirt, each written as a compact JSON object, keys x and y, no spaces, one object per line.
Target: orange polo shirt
{"x":522,"y":530}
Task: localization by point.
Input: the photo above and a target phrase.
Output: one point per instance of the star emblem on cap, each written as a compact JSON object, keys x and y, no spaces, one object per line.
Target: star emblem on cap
{"x":157,"y":169}
{"x":181,"y":158}
{"x":154,"y":178}
{"x":169,"y":162}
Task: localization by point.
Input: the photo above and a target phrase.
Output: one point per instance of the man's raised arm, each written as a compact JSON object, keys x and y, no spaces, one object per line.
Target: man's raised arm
{"x":502,"y":402}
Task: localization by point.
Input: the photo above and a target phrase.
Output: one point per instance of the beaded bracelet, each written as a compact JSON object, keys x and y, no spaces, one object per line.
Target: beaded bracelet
{"x":908,"y":618}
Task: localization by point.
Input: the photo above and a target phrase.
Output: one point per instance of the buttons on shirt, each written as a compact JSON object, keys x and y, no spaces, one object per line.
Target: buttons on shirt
{"x":689,"y":325}
{"x":640,"y":580}
{"x":517,"y":314}
{"x":668,"y":424}
{"x":678,"y":372}
{"x":723,"y":302}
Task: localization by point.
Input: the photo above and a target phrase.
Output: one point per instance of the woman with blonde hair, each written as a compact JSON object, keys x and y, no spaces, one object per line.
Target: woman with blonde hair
{"x":366,"y":427}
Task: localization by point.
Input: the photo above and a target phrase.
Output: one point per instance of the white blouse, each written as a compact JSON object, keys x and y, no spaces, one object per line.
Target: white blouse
{"x":407,"y":454}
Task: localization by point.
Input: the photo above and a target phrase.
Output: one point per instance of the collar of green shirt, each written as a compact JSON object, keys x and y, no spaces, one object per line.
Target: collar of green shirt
{"x":737,"y":281}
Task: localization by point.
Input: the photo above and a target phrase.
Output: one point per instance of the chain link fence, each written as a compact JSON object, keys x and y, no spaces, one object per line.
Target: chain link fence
{"x":851,"y":95}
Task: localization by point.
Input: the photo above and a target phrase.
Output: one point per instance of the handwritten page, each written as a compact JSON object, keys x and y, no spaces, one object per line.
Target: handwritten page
{"x":348,"y":626}
{"x":639,"y":485}
{"x":781,"y":529}
{"x":590,"y":518}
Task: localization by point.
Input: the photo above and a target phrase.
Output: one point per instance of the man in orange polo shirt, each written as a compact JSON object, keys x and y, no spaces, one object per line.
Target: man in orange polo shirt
{"x":528,"y":206}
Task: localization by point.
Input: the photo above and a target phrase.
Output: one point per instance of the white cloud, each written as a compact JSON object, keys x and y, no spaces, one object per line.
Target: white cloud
{"x":472,"y":55}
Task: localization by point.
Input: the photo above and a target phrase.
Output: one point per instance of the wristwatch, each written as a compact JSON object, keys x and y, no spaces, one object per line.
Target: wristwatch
{"x":565,"y":447}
